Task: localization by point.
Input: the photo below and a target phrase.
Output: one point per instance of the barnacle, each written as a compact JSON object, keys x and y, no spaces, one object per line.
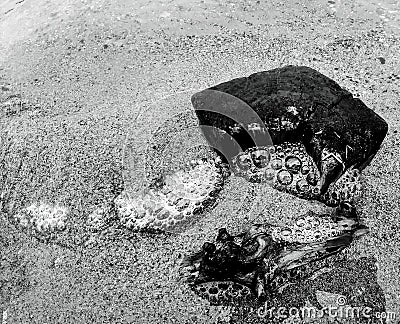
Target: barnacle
{"x":42,"y":219}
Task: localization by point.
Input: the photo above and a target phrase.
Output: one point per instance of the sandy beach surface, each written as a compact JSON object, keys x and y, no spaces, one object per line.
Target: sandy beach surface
{"x":83,"y":86}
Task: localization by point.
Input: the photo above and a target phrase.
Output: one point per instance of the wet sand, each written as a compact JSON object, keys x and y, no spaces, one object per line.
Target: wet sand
{"x":97,"y":79}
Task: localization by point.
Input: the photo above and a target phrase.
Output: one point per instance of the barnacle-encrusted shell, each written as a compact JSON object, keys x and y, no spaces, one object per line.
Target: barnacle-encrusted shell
{"x":182,"y":195}
{"x":310,"y":228}
{"x":265,"y":256}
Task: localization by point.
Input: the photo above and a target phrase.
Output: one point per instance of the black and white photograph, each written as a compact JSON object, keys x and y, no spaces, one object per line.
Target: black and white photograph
{"x":200,"y":161}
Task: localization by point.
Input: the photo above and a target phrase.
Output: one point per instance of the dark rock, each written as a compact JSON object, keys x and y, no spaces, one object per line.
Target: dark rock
{"x":291,"y":104}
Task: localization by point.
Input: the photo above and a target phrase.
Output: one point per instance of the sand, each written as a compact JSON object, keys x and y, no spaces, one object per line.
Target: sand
{"x":96,"y":79}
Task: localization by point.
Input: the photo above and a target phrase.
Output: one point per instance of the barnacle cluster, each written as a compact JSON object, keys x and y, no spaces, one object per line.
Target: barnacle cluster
{"x":347,"y":188}
{"x":288,"y":167}
{"x":42,"y":218}
{"x":174,"y":199}
{"x":310,"y":228}
{"x":220,"y":292}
